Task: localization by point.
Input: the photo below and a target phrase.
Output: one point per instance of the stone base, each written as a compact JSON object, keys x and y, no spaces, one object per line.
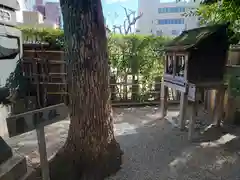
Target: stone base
{"x":14,"y":168}
{"x":5,"y":151}
{"x":31,"y":174}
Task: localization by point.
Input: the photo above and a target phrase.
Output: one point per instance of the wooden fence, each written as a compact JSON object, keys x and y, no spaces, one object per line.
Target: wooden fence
{"x":46,"y":70}
{"x":139,"y":94}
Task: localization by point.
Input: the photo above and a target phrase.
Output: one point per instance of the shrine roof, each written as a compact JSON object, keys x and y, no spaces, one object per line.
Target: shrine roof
{"x":191,"y":38}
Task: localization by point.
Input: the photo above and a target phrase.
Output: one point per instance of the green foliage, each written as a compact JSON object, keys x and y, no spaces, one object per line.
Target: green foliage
{"x":218,"y":12}
{"x":130,"y":55}
{"x":136,"y":54}
{"x":54,"y":37}
{"x":137,"y":57}
{"x":17,"y":79}
{"x":139,"y":53}
{"x":214,"y":12}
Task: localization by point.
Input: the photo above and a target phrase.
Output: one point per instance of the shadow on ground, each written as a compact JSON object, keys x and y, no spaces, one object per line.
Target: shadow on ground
{"x":157,"y":150}
{"x":154,"y":148}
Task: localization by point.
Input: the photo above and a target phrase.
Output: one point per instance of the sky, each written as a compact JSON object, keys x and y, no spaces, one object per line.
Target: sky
{"x":113,"y":11}
{"x":111,"y":8}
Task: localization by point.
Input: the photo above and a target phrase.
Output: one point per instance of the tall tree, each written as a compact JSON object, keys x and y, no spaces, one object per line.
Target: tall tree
{"x":91,"y":151}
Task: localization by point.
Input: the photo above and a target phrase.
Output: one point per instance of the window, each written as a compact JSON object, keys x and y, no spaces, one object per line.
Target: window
{"x":171,"y":10}
{"x":175,"y":32}
{"x":171,"y":21}
{"x":5,"y":15}
{"x":159,"y":32}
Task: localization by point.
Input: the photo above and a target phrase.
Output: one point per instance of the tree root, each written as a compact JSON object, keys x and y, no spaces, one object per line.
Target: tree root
{"x":68,"y":166}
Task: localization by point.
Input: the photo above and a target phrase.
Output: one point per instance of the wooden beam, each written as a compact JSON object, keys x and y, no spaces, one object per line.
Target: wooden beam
{"x":183,"y":108}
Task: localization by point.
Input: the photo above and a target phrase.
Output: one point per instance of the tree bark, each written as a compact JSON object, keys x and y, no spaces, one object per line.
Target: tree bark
{"x":91,"y":151}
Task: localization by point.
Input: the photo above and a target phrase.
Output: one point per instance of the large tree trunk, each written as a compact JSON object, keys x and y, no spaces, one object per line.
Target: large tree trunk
{"x":91,"y":151}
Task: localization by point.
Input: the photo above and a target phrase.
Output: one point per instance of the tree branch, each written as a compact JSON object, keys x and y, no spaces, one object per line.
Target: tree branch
{"x":130,"y":21}
{"x":119,"y":27}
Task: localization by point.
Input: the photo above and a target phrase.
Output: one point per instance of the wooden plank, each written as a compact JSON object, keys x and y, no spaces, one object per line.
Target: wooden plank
{"x":43,"y":153}
{"x":30,"y":60}
{"x":28,"y":121}
{"x":50,"y":83}
{"x":41,"y":51}
{"x":149,"y":103}
{"x":57,"y":93}
{"x":129,"y":84}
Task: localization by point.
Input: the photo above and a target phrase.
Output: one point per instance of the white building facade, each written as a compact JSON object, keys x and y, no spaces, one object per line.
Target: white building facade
{"x":35,"y":19}
{"x":165,"y":19}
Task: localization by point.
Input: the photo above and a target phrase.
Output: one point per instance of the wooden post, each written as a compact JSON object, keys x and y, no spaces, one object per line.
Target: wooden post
{"x":218,"y":107}
{"x":193,"y":111}
{"x":183,"y":107}
{"x":206,"y":100}
{"x":230,"y":110}
{"x":35,"y":120}
{"x":43,"y":153}
{"x":174,"y":64}
{"x":164,"y":92}
{"x":164,"y":95}
{"x":186,"y":67}
{"x":184,"y":97}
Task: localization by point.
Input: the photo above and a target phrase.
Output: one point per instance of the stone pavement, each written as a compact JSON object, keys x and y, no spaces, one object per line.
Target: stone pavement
{"x":154,"y":149}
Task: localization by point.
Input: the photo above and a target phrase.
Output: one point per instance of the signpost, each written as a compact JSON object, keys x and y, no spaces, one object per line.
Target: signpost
{"x":37,"y":119}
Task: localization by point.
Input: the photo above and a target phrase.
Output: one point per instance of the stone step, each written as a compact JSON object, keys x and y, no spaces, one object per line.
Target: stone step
{"x":14,"y":168}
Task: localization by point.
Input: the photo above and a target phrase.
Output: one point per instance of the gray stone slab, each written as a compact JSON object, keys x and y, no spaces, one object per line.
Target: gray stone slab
{"x":14,"y":168}
{"x":5,"y":151}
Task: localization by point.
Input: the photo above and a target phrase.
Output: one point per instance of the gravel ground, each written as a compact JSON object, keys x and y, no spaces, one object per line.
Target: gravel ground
{"x":154,"y":149}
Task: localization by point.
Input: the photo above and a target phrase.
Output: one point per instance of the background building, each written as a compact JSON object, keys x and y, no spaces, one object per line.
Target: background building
{"x":40,"y":8}
{"x":165,"y":19}
{"x":36,"y":20}
{"x":38,"y":2}
{"x":22,"y":6}
{"x":53,"y":12}
{"x":49,"y":13}
{"x":29,"y":4}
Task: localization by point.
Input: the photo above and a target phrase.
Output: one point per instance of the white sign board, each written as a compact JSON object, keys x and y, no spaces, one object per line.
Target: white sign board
{"x":28,"y":121}
{"x":192,"y":92}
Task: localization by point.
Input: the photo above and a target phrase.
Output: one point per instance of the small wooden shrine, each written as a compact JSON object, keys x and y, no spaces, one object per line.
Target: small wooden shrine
{"x":195,"y":61}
